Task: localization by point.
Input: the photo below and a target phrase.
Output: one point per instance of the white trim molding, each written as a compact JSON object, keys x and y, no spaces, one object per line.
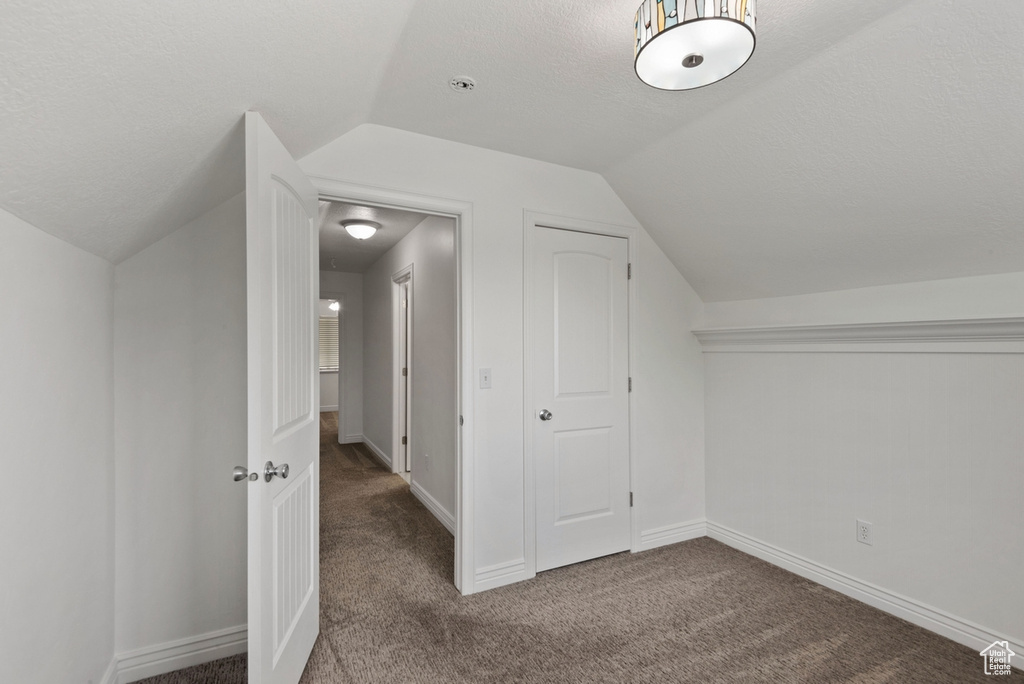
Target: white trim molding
{"x":379,"y":453}
{"x":935,"y":620}
{"x":672,"y":534}
{"x":401,"y":420}
{"x":110,"y":674}
{"x":175,"y":655}
{"x":328,"y":408}
{"x":351,"y":439}
{"x":500,"y":574}
{"x":433,"y":505}
{"x":969,"y":335}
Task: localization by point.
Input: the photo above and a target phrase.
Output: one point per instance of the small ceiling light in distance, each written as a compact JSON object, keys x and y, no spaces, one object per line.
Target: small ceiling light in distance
{"x":361,"y":230}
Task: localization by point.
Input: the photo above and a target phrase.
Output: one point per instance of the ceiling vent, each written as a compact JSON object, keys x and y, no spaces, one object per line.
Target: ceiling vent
{"x":462,"y":84}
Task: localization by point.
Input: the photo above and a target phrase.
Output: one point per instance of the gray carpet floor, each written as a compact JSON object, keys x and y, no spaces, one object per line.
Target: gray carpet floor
{"x":697,"y":611}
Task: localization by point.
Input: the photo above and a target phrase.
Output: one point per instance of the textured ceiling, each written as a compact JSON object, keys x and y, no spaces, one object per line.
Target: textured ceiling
{"x":865,"y":143}
{"x":122,"y":120}
{"x":350,"y":255}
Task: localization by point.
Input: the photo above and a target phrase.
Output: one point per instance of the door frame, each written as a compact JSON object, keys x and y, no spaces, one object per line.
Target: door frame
{"x":462,"y":213}
{"x":398,"y":411}
{"x":533,"y":220}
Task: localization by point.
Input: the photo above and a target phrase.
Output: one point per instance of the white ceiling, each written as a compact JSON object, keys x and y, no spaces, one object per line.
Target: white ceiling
{"x":866,"y":142}
{"x":350,"y":255}
{"x":122,"y":120}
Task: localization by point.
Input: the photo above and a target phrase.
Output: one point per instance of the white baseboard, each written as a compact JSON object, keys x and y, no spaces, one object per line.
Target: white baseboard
{"x":962,"y":631}
{"x":500,"y":574}
{"x":379,"y":453}
{"x":174,"y":655}
{"x":110,"y":675}
{"x":434,"y":506}
{"x":672,"y":534}
{"x":351,"y":439}
{"x":324,"y":409}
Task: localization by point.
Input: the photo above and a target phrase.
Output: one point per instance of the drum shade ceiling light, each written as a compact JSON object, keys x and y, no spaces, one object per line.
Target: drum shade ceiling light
{"x":361,"y":230}
{"x":685,"y":44}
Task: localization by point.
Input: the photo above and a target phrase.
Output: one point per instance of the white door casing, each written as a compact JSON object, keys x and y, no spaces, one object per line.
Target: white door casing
{"x":407,"y":364}
{"x":401,"y":301}
{"x":462,"y":212}
{"x":579,"y":356}
{"x":283,"y":514}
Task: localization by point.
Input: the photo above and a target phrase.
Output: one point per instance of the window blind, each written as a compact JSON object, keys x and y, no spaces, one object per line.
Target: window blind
{"x":328,"y":343}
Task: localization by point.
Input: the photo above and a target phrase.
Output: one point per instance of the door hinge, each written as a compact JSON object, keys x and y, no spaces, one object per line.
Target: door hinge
{"x":631,"y":384}
{"x":405,"y":372}
{"x":403,"y":439}
{"x":460,"y":421}
{"x":631,"y":499}
{"x":629,"y":271}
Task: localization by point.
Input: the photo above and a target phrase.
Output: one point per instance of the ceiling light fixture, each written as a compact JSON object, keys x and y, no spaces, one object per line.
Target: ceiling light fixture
{"x":685,"y":44}
{"x":334,"y":306}
{"x":361,"y":230}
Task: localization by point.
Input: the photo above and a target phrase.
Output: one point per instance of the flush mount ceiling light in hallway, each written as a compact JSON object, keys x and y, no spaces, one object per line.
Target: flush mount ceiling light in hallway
{"x":361,"y":230}
{"x":685,"y":44}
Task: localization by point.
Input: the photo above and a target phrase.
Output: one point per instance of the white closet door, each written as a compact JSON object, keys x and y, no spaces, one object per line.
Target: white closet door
{"x":579,"y":329}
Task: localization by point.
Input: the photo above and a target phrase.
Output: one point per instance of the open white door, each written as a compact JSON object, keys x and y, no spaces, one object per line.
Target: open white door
{"x":404,"y":334}
{"x":284,"y":513}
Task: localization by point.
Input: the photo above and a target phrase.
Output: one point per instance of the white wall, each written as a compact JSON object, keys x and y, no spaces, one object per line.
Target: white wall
{"x":180,"y":427}
{"x":668,"y":398}
{"x":328,"y":390}
{"x":56,"y":426}
{"x":348,"y":287}
{"x":430,"y":249}
{"x":924,"y":444}
{"x":992,"y":296}
{"x":501,"y":187}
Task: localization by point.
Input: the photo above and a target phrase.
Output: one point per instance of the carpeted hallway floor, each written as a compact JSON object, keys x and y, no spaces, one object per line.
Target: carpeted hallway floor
{"x":692,"y":612}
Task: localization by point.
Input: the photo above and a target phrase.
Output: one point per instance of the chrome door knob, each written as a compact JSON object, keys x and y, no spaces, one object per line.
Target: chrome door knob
{"x":242,"y":473}
{"x":545,"y":415}
{"x":269,"y":471}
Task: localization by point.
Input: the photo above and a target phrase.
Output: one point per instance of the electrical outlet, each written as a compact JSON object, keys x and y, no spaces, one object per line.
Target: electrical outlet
{"x":426,"y":462}
{"x":864,"y":532}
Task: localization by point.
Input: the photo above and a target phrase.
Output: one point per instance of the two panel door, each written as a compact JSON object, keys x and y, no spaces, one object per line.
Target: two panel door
{"x":282,"y":283}
{"x":579,"y":324}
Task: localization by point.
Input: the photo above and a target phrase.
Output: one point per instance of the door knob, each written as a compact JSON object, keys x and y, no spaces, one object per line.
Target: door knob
{"x":545,"y":415}
{"x":242,"y":473}
{"x":269,"y":471}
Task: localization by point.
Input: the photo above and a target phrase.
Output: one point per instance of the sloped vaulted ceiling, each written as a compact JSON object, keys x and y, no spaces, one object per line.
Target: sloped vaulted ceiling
{"x":867,"y":142}
{"x":121,"y":120}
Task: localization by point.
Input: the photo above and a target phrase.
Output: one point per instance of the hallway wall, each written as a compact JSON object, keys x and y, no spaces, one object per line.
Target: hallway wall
{"x":430,"y":249}
{"x":350,"y":393}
